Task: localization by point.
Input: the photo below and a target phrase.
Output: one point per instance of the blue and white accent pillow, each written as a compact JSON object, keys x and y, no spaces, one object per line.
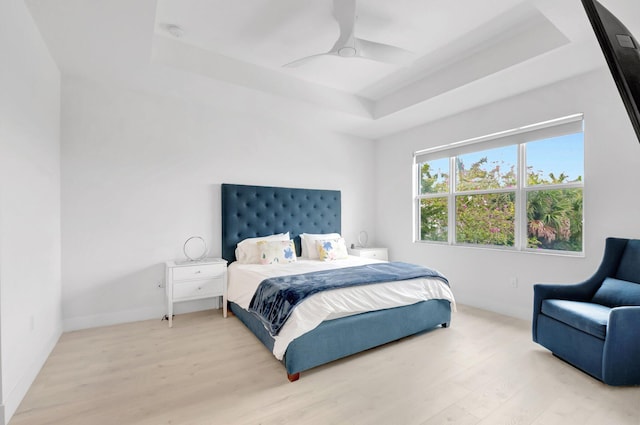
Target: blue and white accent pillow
{"x":332,"y":249}
{"x":276,"y":252}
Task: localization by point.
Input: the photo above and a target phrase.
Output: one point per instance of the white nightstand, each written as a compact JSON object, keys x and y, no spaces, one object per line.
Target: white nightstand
{"x":195,"y":280}
{"x":377,"y":253}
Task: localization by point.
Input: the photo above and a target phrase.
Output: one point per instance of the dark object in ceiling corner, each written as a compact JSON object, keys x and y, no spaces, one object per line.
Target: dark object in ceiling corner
{"x":622,"y":53}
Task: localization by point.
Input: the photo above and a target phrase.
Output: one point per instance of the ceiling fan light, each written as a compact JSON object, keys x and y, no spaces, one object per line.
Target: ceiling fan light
{"x":347,"y":52}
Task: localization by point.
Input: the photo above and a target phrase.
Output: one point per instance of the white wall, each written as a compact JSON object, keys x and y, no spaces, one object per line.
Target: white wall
{"x":141,"y":173}
{"x":481,"y":277}
{"x":30,"y":287}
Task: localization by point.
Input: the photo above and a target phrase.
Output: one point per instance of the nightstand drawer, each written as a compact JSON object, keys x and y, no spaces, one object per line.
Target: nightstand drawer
{"x":375,"y":253}
{"x":381,"y":255}
{"x":198,"y":289}
{"x":198,"y":271}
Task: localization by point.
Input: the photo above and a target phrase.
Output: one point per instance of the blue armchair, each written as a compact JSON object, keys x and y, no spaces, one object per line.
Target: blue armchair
{"x":595,"y":325}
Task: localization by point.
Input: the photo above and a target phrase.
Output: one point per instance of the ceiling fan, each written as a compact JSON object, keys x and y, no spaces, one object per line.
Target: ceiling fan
{"x":349,"y":46}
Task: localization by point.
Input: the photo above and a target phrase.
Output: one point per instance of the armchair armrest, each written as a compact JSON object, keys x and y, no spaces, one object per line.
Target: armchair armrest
{"x":576,"y":291}
{"x":620,"y":365}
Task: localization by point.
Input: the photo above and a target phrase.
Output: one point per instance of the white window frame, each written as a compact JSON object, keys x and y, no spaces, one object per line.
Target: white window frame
{"x":518,"y":136}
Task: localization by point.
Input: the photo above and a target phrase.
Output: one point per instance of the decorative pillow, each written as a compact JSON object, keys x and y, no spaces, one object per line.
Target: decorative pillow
{"x":308,"y":243}
{"x":247,"y":251}
{"x":616,"y":293}
{"x":331,"y":249}
{"x":276,"y":252}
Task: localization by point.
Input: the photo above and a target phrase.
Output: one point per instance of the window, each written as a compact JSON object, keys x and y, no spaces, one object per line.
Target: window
{"x":520,"y":189}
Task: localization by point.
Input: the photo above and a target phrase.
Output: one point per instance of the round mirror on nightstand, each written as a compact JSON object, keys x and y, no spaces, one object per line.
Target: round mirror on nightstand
{"x":195,"y":248}
{"x":363,"y":238}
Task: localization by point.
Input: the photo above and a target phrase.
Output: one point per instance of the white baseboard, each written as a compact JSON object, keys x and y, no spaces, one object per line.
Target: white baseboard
{"x":15,"y":396}
{"x":127,"y":316}
{"x":107,"y":319}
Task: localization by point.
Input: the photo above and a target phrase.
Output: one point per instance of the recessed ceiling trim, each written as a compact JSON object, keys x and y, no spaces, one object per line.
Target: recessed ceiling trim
{"x":189,"y":58}
{"x":534,"y":37}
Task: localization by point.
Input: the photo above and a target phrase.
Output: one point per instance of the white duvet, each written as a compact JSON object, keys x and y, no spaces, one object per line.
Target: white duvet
{"x":243,"y":279}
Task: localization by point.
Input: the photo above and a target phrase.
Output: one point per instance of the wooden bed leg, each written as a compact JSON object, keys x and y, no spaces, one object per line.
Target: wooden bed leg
{"x":293,"y":377}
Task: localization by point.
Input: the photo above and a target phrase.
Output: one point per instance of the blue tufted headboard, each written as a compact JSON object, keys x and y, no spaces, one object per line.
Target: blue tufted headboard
{"x":251,"y":211}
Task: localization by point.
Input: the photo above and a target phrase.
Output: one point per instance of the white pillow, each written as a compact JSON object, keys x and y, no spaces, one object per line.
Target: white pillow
{"x":331,"y":249}
{"x":247,"y":251}
{"x":308,"y":243}
{"x":276,"y":252}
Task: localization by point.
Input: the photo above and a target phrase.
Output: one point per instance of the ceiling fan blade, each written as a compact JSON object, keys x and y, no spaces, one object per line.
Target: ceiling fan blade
{"x":383,"y":52}
{"x":300,"y":61}
{"x":347,"y":45}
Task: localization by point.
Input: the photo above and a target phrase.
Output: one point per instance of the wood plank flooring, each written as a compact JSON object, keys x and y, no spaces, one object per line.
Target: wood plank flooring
{"x":207,"y":370}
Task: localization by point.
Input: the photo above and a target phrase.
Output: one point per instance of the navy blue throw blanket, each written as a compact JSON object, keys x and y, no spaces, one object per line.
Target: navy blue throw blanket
{"x":276,"y":297}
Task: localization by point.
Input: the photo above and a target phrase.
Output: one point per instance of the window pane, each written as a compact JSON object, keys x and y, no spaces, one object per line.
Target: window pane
{"x":434,"y":219}
{"x":489,"y":169}
{"x":434,"y":176}
{"x":486,"y":219}
{"x":554,"y":219}
{"x":556,"y":160}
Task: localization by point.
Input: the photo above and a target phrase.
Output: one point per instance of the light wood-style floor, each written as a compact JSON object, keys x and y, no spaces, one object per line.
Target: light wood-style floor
{"x":208,"y":370}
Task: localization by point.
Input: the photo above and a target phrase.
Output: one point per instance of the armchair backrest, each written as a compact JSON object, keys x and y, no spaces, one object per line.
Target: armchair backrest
{"x":629,"y":266}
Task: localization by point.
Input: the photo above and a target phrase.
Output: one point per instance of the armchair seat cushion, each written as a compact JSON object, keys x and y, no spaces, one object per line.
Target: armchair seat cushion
{"x":588,"y":317}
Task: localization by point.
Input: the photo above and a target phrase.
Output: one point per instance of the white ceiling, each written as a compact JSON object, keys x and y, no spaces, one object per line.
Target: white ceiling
{"x":467,"y":52}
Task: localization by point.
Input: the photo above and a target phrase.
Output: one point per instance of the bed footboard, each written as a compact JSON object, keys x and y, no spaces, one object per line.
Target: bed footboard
{"x":339,"y":338}
{"x":334,"y":339}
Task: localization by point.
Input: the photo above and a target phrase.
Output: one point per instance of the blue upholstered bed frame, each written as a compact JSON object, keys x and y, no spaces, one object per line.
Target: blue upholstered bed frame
{"x":251,"y":211}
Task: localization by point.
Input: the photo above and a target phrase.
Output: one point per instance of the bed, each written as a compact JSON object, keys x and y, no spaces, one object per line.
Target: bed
{"x":258,"y":211}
